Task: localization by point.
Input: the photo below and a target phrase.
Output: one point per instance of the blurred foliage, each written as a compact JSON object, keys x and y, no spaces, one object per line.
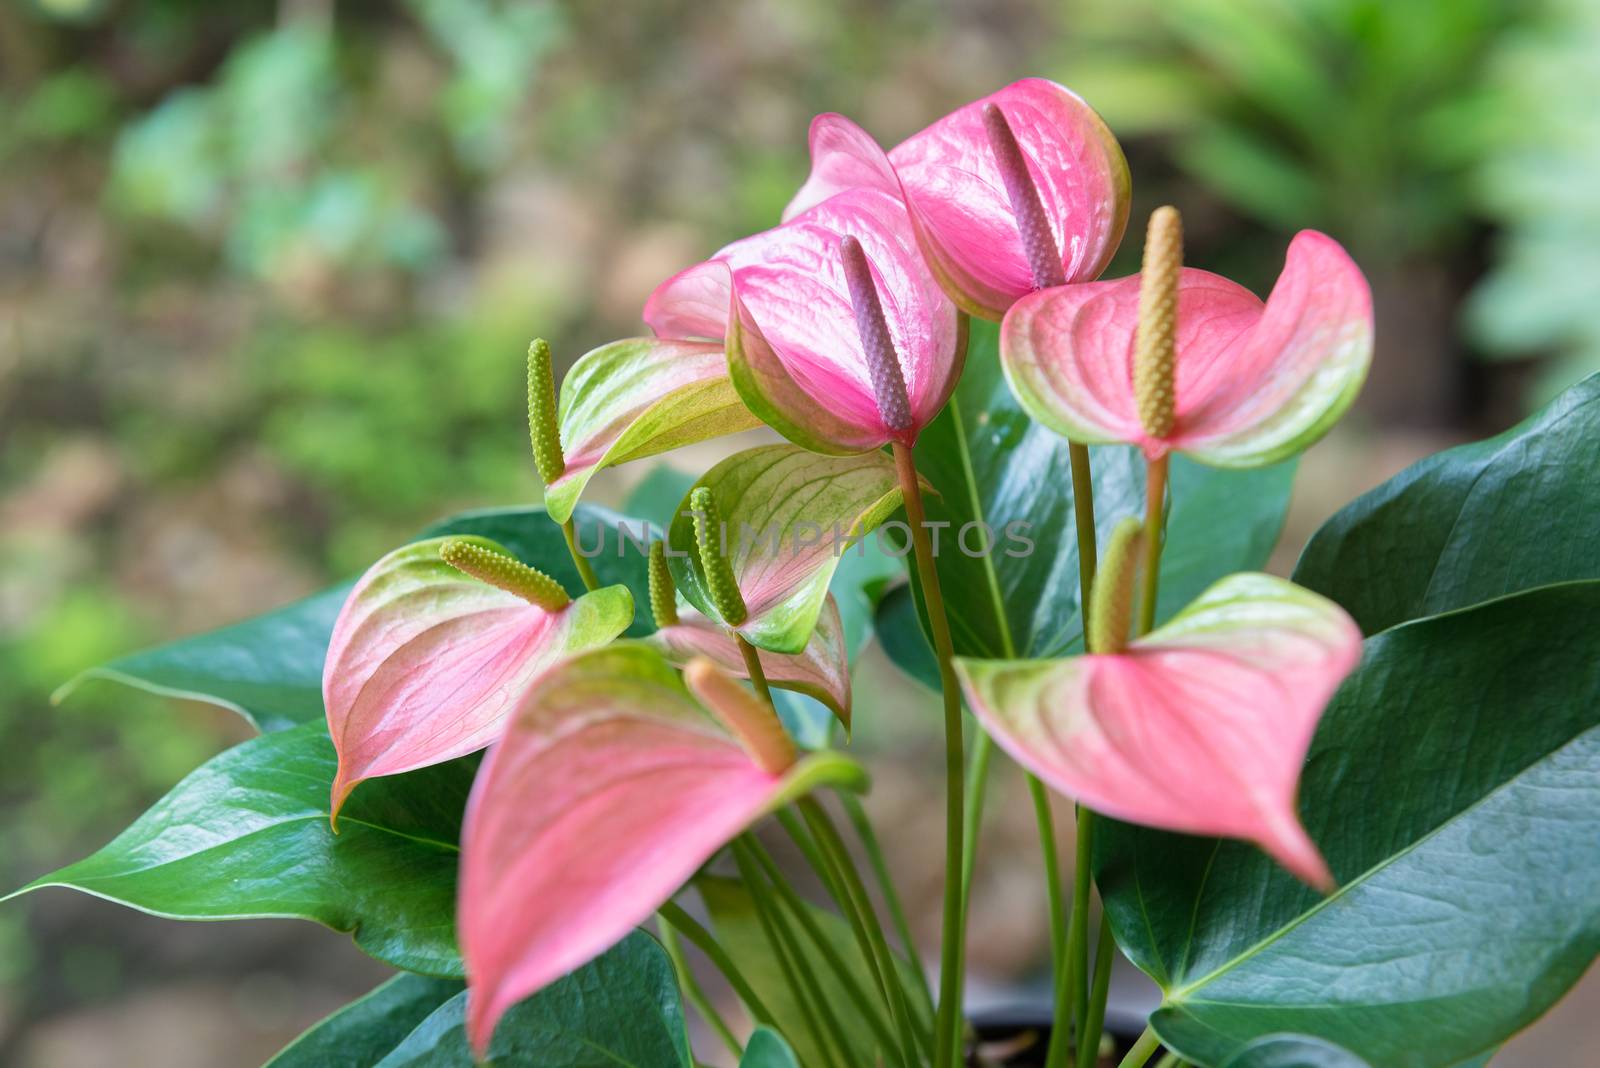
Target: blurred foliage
{"x":1359,"y":117}
{"x":1539,"y":179}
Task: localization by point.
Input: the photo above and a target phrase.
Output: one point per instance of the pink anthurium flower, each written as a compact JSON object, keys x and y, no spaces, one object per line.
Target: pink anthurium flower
{"x":426,"y":661}
{"x":783,"y":304}
{"x":821,"y":670}
{"x":961,"y":197}
{"x":610,"y":789}
{"x":1254,"y":382}
{"x":1200,"y":726}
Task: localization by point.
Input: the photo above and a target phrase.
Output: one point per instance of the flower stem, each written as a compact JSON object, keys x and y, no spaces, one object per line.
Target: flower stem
{"x":1142,"y":1050}
{"x":949,"y":1021}
{"x":833,"y":847}
{"x":1104,"y":956}
{"x":672,"y":913}
{"x":752,"y":664}
{"x":1154,"y":518}
{"x":585,"y":569}
{"x":871,"y":1008}
{"x":814,"y":1004}
{"x":695,"y":993}
{"x":1071,"y":973}
{"x":1083,"y":518}
{"x":880,"y":869}
{"x":1052,"y":876}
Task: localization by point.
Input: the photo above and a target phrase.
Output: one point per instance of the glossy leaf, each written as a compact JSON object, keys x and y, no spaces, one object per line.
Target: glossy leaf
{"x":637,"y":398}
{"x":1256,"y":382}
{"x":363,"y":1032}
{"x":1471,"y":523}
{"x":426,"y":663}
{"x":739,"y":932}
{"x":989,"y":463}
{"x":610,"y":788}
{"x":246,"y":835}
{"x":621,"y":1010}
{"x":269,"y":669}
{"x":767,"y":1049}
{"x":820,"y":671}
{"x":1199,"y":726}
{"x":1452,"y":787}
{"x":1294,"y":1051}
{"x":948,"y":176}
{"x":784,"y":510}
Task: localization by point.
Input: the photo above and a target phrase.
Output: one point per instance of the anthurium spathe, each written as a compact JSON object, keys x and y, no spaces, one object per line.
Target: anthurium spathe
{"x":611,"y":787}
{"x":1200,"y":726}
{"x":780,"y":518}
{"x":631,"y":399}
{"x":961,"y":198}
{"x":821,"y":670}
{"x":427,"y":661}
{"x":786,"y":309}
{"x":1251,"y":382}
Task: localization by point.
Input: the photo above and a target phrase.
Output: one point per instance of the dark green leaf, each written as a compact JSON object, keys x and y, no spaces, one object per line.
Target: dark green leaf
{"x":1470,"y":524}
{"x":991,"y":464}
{"x":1454,"y":787}
{"x":364,"y":1031}
{"x":269,"y":669}
{"x":246,"y":835}
{"x":767,"y":1049}
{"x":620,"y":1010}
{"x":1294,"y":1051}
{"x":656,"y":496}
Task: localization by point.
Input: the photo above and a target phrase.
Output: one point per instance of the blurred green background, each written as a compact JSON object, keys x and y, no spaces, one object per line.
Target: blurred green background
{"x":267,"y":271}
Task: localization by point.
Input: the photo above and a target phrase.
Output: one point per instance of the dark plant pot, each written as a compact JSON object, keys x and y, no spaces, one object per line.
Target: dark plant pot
{"x":1020,"y":1039}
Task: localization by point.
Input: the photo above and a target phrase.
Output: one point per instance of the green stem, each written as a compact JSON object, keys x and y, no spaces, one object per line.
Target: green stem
{"x":585,"y":569}
{"x":695,"y":993}
{"x":880,"y":869}
{"x":1071,"y":1003}
{"x":814,"y":1006}
{"x":870,"y":1007}
{"x":752,"y":664}
{"x":1104,"y":956}
{"x":1083,"y":517}
{"x":971,"y":818}
{"x":1170,"y":1060}
{"x":950,"y":951}
{"x":1052,"y":877}
{"x":1154,"y":515}
{"x":690,"y":928}
{"x":832,"y":878}
{"x":833,"y":846}
{"x":1142,"y":1050}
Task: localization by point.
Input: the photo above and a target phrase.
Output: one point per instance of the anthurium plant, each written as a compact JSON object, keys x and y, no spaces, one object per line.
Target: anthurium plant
{"x":1346,"y":818}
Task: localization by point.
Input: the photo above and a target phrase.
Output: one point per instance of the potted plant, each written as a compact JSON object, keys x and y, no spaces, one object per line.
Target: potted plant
{"x":1343,"y":819}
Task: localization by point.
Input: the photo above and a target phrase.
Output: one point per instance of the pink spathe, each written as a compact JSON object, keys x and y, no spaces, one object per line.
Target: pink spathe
{"x":1201,"y":726}
{"x":576,"y":832}
{"x":782,"y":302}
{"x":1255,"y":382}
{"x":425,"y":664}
{"x":950,"y":181}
